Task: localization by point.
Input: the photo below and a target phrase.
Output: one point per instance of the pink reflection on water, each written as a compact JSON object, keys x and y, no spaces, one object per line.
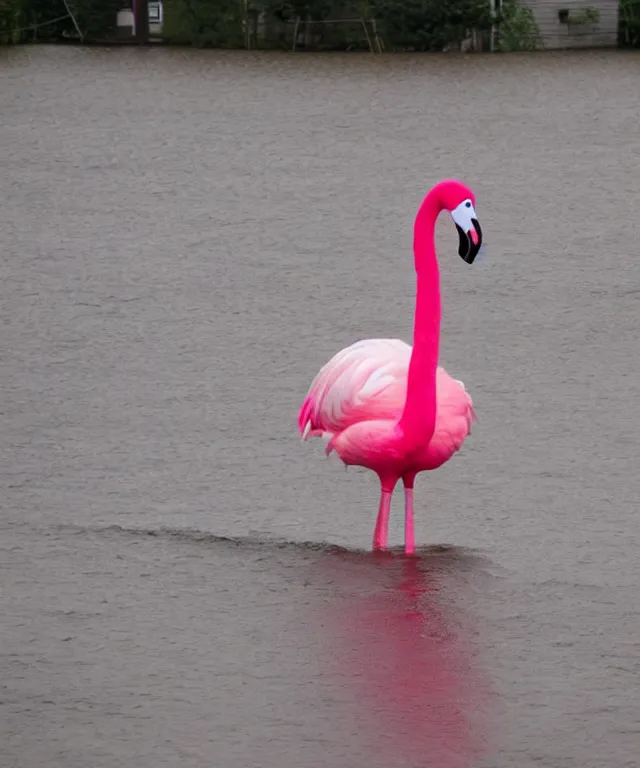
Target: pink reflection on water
{"x":408,"y":659}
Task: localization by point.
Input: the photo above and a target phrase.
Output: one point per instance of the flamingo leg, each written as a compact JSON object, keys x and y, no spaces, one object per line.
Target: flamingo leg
{"x":381,"y":530}
{"x":409,"y":540}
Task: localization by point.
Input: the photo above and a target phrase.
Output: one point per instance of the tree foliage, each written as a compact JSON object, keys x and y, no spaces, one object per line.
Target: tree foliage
{"x":420,"y":25}
{"x":217,"y":24}
{"x":48,"y":20}
{"x":429,"y":25}
{"x":10,"y":15}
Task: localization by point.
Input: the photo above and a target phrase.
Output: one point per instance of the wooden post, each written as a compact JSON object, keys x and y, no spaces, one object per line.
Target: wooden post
{"x":141,"y":17}
{"x":295,"y":34}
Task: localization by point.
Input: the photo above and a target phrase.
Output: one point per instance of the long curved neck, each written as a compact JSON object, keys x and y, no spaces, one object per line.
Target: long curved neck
{"x":418,"y":419}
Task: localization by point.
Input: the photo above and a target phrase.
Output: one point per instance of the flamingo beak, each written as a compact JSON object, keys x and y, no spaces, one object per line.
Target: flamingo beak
{"x":469,"y":231}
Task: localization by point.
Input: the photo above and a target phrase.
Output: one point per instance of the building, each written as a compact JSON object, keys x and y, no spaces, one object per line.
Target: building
{"x":576,"y":23}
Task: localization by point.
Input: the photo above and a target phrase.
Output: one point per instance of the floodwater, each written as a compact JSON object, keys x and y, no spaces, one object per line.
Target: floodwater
{"x":186,"y":237}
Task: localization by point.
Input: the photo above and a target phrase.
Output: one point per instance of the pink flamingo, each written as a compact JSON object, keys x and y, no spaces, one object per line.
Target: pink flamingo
{"x":386,"y":406}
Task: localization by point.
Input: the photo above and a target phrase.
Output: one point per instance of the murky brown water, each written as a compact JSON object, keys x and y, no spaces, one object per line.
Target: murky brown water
{"x":186,"y":238}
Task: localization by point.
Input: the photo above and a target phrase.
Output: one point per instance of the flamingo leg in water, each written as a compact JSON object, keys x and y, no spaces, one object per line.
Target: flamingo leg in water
{"x":409,"y":541}
{"x":381,"y":530}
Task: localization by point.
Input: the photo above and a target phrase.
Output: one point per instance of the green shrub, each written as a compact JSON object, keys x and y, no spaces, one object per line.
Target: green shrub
{"x":517,"y":28}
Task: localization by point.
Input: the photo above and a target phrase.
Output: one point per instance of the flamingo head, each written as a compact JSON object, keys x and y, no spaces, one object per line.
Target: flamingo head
{"x":459,"y":200}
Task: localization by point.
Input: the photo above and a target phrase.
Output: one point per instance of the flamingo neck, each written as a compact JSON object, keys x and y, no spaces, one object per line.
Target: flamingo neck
{"x":418,"y":419}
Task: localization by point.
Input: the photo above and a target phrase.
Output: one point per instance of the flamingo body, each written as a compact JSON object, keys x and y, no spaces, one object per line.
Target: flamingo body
{"x":356,"y":400}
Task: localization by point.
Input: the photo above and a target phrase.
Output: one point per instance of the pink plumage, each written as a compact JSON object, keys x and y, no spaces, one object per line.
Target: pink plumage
{"x":367,"y":381}
{"x":387,"y":406}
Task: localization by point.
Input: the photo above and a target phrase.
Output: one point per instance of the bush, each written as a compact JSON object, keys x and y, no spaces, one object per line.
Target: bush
{"x":517,"y":28}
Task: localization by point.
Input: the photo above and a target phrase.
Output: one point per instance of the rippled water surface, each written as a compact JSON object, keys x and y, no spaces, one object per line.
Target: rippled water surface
{"x":186,"y":238}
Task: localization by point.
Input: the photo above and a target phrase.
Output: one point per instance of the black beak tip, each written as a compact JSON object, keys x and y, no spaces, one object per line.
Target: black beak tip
{"x":467,"y":249}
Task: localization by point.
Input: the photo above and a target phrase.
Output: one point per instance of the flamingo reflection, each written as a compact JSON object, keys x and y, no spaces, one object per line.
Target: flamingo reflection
{"x":408,"y":659}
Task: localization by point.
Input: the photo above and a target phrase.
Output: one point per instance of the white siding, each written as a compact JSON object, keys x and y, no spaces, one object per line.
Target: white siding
{"x":603,"y":33}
